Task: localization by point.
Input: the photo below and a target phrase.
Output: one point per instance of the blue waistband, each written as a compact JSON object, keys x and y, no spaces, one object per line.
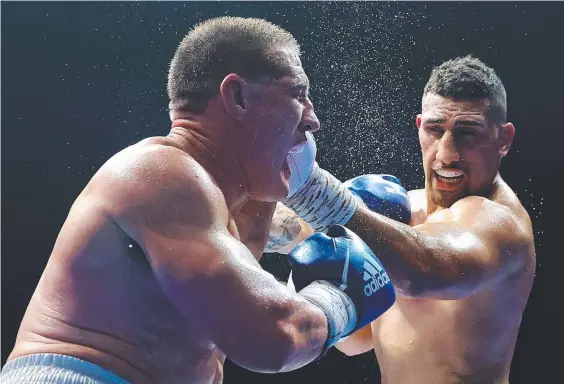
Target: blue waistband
{"x":47,"y":368}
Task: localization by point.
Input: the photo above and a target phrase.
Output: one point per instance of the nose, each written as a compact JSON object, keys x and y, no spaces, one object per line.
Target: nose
{"x":447,"y":152}
{"x":309,"y":122}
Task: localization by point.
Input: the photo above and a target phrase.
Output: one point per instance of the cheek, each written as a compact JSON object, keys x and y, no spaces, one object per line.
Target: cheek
{"x":291,"y":120}
{"x":428,"y":150}
{"x":480,"y":166}
{"x":285,"y":116}
{"x":481,"y":154}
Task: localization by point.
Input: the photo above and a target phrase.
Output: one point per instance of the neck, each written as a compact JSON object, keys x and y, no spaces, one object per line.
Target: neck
{"x":210,"y":145}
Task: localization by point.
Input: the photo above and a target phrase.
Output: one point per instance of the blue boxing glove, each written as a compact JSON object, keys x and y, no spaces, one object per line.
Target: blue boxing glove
{"x":340,"y":274}
{"x":382,"y":194}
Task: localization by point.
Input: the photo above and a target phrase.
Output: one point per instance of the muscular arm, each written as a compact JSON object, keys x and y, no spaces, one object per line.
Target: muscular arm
{"x":460,"y":251}
{"x":179,"y":220}
{"x":287,"y":230}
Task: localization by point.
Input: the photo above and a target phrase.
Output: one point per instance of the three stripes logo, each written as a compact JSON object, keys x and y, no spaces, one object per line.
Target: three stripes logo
{"x":375,"y":276}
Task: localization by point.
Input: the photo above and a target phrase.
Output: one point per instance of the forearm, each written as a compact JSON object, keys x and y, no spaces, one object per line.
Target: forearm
{"x":305,"y":334}
{"x":406,"y":253}
{"x":305,"y":326}
{"x":278,"y":330}
{"x":418,"y":264}
{"x":287,"y":230}
{"x":297,"y":337}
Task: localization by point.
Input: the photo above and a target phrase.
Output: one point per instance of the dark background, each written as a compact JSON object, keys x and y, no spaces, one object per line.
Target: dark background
{"x":82,"y":80}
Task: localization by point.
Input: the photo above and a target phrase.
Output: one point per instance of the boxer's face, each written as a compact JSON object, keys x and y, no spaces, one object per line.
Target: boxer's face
{"x":279,"y":114}
{"x":462,"y":149}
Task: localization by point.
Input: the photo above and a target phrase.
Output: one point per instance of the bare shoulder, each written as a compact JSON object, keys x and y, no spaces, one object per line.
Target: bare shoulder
{"x":507,"y":223}
{"x":157,"y":181}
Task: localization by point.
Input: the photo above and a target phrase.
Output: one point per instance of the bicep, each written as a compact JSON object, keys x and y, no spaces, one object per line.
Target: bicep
{"x":180,"y":223}
{"x":472,"y":244}
{"x":216,"y":283}
{"x":223,"y":292}
{"x":212,"y":277}
{"x":209,"y":275}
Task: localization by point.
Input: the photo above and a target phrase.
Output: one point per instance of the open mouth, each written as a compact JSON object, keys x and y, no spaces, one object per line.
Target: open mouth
{"x":448,"y":178}
{"x":286,"y":168}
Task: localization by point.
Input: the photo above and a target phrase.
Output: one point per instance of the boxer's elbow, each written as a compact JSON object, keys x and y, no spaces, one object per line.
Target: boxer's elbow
{"x":303,"y":343}
{"x":273,"y":356}
{"x":286,"y":353}
{"x":295,"y":341}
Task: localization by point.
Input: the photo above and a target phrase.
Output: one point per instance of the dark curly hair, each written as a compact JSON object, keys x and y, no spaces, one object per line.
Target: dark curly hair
{"x":468,"y":78}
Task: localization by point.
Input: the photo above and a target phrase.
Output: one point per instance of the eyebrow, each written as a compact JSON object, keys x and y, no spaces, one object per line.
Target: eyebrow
{"x":301,"y":85}
{"x":434,"y":121}
{"x":470,"y":123}
{"x":459,"y":122}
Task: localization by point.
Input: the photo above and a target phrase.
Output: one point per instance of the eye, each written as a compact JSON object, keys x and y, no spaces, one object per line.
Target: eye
{"x":301,"y":97}
{"x":435,"y":129}
{"x":467,"y":132}
{"x":299,"y":93}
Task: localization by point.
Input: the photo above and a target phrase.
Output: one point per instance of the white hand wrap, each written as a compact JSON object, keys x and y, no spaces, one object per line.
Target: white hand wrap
{"x":337,"y":306}
{"x":322,"y":200}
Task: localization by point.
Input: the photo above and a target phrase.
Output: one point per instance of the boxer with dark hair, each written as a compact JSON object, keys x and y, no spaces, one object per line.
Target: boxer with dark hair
{"x":460,"y":252}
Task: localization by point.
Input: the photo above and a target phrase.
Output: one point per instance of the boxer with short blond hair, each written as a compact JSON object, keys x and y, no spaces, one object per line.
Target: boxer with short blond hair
{"x":460,"y":252}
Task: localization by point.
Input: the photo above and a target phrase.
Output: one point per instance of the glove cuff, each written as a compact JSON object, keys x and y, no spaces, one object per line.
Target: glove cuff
{"x":323,"y":201}
{"x":338,"y":307}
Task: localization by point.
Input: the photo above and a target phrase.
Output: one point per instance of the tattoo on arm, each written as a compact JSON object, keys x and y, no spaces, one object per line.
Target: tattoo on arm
{"x":284,"y":230}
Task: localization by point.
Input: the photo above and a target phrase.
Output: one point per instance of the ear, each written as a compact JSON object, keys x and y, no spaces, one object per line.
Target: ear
{"x":418,"y":121}
{"x":506,"y":135}
{"x":231,"y":91}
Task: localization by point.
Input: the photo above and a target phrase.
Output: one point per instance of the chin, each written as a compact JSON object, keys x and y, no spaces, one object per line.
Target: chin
{"x":282,"y":192}
{"x":274,"y":192}
{"x":445,"y":199}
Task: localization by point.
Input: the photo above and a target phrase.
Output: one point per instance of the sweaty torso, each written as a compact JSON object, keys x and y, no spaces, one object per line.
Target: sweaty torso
{"x":98,"y":300}
{"x":471,"y":340}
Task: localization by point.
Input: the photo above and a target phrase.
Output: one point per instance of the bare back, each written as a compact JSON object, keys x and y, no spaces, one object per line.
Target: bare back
{"x":98,"y":299}
{"x":469,"y":340}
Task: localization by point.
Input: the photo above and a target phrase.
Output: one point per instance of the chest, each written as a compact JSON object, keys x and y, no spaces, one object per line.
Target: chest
{"x":421,"y":324}
{"x":406,"y":320}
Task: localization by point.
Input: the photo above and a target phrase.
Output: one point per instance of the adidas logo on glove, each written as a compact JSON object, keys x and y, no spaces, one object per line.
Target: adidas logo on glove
{"x":375,"y":276}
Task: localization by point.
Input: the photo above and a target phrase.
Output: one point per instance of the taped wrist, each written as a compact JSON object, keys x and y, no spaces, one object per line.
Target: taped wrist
{"x":323,"y":201}
{"x":337,"y":306}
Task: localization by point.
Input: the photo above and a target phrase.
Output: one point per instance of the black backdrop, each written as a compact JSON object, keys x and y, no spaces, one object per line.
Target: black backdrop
{"x":82,"y":80}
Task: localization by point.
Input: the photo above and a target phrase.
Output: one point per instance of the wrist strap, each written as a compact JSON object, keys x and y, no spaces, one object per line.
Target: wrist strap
{"x":323,"y":201}
{"x":337,"y":306}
